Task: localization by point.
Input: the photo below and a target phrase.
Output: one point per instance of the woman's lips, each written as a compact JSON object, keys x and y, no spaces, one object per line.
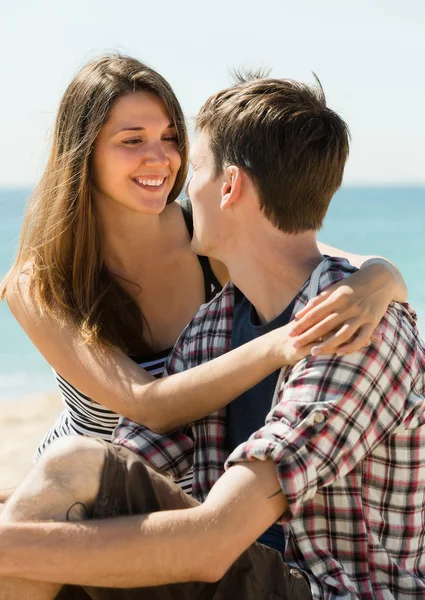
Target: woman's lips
{"x":150,"y":184}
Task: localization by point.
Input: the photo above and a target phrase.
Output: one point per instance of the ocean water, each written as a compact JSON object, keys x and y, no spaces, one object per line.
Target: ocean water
{"x":376,"y":220}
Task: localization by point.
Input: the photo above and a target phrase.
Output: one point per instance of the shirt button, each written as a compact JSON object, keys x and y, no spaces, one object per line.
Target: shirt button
{"x":319,"y":417}
{"x":296,"y":574}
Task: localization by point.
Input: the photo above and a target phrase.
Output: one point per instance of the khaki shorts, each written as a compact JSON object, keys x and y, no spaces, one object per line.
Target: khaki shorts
{"x":128,"y":487}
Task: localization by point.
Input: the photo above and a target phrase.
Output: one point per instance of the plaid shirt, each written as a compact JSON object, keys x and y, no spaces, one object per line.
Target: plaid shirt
{"x":347,"y":435}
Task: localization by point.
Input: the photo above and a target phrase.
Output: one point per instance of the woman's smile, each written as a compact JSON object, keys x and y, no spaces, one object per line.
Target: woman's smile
{"x":150,"y":183}
{"x":150,"y":158}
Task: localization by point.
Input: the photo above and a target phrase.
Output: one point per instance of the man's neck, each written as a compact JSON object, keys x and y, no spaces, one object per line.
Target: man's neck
{"x":271,"y":272}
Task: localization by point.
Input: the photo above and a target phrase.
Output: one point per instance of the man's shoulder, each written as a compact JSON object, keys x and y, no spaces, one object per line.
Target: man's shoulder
{"x":335,"y":269}
{"x":400,"y":345}
{"x":331,"y":270}
{"x":398,"y":314}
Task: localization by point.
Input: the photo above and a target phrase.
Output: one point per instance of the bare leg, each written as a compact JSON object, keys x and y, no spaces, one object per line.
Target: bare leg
{"x":68,"y":472}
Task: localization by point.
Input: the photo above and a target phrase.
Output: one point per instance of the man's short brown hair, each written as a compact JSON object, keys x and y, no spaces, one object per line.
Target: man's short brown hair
{"x":285,"y":137}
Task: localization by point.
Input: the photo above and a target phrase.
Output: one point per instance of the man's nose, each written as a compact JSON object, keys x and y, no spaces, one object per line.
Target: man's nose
{"x":187,"y":187}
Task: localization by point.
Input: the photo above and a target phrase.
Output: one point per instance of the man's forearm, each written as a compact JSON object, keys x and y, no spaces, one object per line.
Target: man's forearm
{"x":194,"y":544}
{"x":135,"y":551}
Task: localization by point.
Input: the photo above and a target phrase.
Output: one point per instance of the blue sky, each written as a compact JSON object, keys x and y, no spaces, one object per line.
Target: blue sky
{"x":368,"y":54}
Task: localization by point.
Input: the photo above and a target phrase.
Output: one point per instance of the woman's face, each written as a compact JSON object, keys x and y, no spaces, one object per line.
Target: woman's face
{"x":136,"y":157}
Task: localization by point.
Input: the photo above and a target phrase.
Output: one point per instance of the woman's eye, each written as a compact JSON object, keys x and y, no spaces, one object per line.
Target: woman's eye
{"x":131,"y":142}
{"x":170,"y":139}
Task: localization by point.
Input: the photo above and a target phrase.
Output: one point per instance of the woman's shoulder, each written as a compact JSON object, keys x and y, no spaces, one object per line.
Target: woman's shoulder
{"x":177,"y":220}
{"x":17,"y":288}
{"x":183,"y":208}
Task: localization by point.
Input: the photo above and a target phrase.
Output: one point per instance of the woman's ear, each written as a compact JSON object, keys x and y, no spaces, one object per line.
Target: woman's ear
{"x":231,"y":188}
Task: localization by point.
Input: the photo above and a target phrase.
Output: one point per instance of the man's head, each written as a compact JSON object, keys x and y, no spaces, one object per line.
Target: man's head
{"x":278,"y":135}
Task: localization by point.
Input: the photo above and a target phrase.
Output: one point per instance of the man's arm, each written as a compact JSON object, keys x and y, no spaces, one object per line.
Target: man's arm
{"x":196,"y":544}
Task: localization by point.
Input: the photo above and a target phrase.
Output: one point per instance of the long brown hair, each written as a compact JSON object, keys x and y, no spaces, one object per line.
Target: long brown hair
{"x":60,"y":245}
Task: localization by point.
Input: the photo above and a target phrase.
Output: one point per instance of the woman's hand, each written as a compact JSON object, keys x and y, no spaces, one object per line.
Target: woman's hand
{"x":282,"y":347}
{"x":344,"y":318}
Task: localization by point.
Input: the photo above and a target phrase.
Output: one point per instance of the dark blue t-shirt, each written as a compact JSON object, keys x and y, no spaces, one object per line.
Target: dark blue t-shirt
{"x":248,"y":412}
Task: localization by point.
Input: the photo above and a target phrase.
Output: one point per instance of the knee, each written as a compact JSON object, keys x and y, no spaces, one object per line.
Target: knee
{"x":68,"y":472}
{"x":72,"y":460}
{"x":71,"y":453}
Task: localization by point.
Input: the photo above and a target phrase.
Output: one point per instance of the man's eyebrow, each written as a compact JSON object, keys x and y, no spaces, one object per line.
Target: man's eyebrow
{"x":138,"y":128}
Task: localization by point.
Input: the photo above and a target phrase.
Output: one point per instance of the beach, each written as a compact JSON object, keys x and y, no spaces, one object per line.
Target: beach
{"x":23,"y":423}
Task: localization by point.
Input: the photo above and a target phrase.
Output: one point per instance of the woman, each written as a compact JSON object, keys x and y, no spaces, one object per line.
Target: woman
{"x":105,"y":278}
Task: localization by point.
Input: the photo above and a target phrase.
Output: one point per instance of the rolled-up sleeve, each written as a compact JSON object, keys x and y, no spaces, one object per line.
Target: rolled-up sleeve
{"x":331,"y":412}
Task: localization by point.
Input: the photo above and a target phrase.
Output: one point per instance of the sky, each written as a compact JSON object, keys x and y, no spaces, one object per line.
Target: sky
{"x":368,"y":55}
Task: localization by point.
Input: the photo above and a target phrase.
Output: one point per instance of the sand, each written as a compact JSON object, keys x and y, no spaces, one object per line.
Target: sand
{"x":23,"y":424}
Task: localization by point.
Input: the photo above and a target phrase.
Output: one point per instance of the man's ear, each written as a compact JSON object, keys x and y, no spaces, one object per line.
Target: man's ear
{"x":232,"y":186}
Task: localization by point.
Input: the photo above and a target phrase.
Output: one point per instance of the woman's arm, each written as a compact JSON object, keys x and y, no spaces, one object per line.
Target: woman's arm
{"x":387,"y":270}
{"x":117,"y":382}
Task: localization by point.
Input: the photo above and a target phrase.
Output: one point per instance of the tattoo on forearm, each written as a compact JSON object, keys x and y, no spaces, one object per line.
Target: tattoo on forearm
{"x":279,"y":491}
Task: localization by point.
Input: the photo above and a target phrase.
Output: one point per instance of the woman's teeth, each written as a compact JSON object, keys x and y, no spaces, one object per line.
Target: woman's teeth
{"x":152,"y":182}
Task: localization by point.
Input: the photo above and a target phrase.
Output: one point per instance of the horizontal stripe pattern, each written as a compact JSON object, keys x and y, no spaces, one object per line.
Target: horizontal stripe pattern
{"x":84,"y":416}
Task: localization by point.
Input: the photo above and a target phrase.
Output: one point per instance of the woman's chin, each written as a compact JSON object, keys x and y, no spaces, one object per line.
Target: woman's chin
{"x":153,"y":205}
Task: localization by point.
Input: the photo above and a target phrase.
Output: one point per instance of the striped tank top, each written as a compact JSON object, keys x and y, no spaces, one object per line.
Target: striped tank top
{"x":84,"y":416}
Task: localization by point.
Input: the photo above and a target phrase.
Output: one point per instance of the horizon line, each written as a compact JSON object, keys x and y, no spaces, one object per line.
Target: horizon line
{"x":359,"y":184}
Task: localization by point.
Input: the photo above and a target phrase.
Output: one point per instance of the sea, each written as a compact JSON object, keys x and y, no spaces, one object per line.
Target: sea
{"x":387,"y":221}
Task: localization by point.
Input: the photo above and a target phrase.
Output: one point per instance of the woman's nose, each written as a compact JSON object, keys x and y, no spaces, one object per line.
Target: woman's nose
{"x":155,"y":155}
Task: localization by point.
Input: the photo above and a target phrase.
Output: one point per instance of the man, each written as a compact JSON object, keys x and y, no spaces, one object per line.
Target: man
{"x":338,"y":461}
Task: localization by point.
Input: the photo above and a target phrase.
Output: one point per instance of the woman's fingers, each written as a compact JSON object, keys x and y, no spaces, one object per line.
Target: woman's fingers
{"x":313,"y":313}
{"x":320,"y":307}
{"x":376,"y":335}
{"x":323,"y":329}
{"x":342,"y":319}
{"x":342,"y":339}
{"x":350,"y":338}
{"x":312,"y":303}
{"x":340,"y":336}
{"x":359,"y":341}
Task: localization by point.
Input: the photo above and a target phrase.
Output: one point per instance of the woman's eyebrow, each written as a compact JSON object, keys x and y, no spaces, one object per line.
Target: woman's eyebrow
{"x":138,"y":128}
